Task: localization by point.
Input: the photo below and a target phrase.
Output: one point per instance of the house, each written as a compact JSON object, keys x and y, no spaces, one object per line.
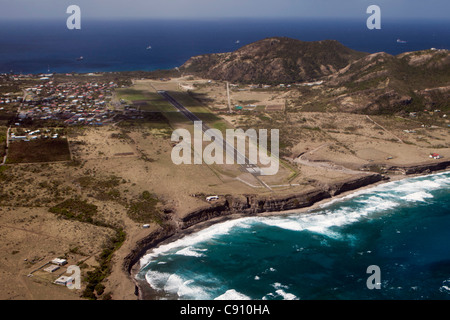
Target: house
{"x":51,"y":268}
{"x":59,"y":262}
{"x":64,"y":280}
{"x":16,"y":138}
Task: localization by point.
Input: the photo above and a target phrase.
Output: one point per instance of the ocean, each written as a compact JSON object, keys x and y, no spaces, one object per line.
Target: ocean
{"x":113,"y":45}
{"x":400,"y":227}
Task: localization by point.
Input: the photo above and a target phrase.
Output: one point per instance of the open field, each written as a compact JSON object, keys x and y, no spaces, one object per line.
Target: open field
{"x":346,"y":139}
{"x":31,"y":237}
{"x":204,"y":113}
{"x":342,"y":130}
{"x":40,"y":150}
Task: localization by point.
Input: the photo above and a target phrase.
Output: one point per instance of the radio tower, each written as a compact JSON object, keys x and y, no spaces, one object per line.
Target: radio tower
{"x":228,"y":95}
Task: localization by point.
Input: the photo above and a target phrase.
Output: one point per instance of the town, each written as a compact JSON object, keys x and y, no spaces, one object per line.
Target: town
{"x":36,"y":110}
{"x":71,"y":102}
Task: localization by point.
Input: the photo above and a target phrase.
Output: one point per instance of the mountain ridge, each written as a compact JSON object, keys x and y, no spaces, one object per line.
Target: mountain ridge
{"x":274,"y":60}
{"x":373,"y":83}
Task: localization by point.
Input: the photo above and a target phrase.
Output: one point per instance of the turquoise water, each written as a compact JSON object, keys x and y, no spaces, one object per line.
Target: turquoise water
{"x":403,"y":227}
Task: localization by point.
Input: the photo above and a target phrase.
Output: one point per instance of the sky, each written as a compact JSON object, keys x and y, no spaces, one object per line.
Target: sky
{"x":201,"y":9}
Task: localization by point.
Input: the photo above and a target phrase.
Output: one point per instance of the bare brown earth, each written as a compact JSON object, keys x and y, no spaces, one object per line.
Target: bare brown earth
{"x":321,"y":149}
{"x":31,"y":237}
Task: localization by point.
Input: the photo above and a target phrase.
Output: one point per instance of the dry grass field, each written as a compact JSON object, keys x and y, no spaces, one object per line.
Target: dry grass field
{"x":40,"y":150}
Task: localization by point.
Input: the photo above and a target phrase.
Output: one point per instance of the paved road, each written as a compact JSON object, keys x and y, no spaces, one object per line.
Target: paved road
{"x":232,"y":152}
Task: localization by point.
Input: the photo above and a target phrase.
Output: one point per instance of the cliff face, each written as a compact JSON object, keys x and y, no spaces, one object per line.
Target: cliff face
{"x":245,"y":206}
{"x":422,"y":168}
{"x":152,"y":240}
{"x":251,"y":205}
{"x":254,"y":205}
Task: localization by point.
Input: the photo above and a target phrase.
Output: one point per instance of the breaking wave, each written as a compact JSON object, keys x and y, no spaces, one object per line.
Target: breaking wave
{"x":326,"y":222}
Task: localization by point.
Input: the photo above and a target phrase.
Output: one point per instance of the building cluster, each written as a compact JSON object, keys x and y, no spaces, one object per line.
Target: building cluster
{"x":28,"y":135}
{"x":53,"y":266}
{"x":74,"y":103}
{"x":7,"y":98}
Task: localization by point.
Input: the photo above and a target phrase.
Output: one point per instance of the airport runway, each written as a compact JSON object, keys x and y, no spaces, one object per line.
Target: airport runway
{"x":232,"y":152}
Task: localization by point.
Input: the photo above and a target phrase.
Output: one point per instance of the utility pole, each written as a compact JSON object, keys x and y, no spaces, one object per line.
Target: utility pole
{"x":228,"y":95}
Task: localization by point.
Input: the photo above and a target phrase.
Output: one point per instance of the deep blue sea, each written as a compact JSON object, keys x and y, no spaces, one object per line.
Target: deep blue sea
{"x":108,"y":45}
{"x":402,"y":227}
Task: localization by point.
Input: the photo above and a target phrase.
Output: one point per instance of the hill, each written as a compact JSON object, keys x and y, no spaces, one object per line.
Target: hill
{"x":382,"y":83}
{"x":353,"y":81}
{"x":274,"y":60}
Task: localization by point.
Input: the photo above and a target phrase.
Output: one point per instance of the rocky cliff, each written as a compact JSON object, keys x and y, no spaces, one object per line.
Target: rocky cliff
{"x":246,"y":205}
{"x":249,"y":205}
{"x":420,"y":168}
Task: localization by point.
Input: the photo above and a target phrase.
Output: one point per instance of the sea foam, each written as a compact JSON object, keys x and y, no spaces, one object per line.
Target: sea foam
{"x":418,"y":196}
{"x":364,"y":204}
{"x":191,"y":252}
{"x":186,"y":245}
{"x":378,"y":199}
{"x":232,"y":295}
{"x":175,"y":284}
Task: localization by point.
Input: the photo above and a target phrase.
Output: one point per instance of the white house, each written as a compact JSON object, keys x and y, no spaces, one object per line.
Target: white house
{"x":52,"y":268}
{"x":64,"y":280}
{"x":59,"y":262}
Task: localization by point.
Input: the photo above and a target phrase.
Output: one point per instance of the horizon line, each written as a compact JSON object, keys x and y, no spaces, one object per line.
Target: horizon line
{"x":202,"y":18}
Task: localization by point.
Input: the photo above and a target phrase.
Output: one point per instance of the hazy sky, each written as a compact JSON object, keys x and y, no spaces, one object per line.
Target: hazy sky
{"x":191,"y":9}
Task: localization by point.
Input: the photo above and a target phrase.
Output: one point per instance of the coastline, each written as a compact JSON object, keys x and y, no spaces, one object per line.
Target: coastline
{"x":171,"y":233}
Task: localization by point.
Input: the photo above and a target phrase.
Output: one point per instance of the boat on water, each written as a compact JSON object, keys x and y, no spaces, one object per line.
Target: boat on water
{"x":401,"y":41}
{"x":149,"y":47}
{"x":80,"y":58}
{"x":237,"y":41}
